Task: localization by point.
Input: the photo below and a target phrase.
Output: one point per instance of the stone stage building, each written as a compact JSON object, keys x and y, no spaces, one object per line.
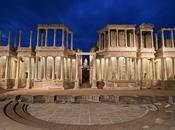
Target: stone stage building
{"x":125,"y":57}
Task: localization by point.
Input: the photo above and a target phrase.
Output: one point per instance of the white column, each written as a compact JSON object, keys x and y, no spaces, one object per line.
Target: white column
{"x":45,"y":67}
{"x":63,"y":38}
{"x":172,"y":38}
{"x":76,"y":73}
{"x":126,"y":39}
{"x":31,"y":39}
{"x":20,"y":37}
{"x":141,"y":40}
{"x":118,"y":76}
{"x":135,"y":69}
{"x":134,"y":37}
{"x":94,"y":72}
{"x":72,"y":41}
{"x":46,"y":37}
{"x":38,"y":33}
{"x":9,"y":38}
{"x":117,"y":38}
{"x":163,"y":39}
{"x":71,"y":69}
{"x":156,"y":40}
{"x":29,"y":74}
{"x":62,"y":69}
{"x":164,"y":69}
{"x":55,"y":35}
{"x":53,"y":69}
{"x":126,"y":67}
{"x":36,"y":69}
{"x":109,"y":38}
{"x":153,"y":69}
{"x":17,"y":73}
{"x":152,"y":39}
{"x":141,"y":72}
{"x":67,"y":39}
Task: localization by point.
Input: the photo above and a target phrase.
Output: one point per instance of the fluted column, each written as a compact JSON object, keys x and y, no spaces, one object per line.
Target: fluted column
{"x":72,"y":41}
{"x":29,"y":74}
{"x":38,"y":33}
{"x":36,"y":69}
{"x":63,"y":38}
{"x":17,"y":74}
{"x":141,"y":40}
{"x":126,"y":39}
{"x":45,"y":67}
{"x":31,"y":34}
{"x":53,"y":69}
{"x":163,"y":39}
{"x":172,"y":38}
{"x":55,"y":35}
{"x":46,"y":37}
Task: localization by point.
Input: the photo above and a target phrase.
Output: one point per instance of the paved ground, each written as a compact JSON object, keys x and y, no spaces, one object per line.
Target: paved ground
{"x":87,"y":114}
{"x":91,"y":92}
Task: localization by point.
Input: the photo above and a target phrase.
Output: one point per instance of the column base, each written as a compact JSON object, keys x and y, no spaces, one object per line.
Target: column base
{"x":77,"y":86}
{"x":94,"y":84}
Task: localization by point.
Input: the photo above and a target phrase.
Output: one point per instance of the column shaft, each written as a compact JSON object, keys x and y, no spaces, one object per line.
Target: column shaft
{"x":67,"y":39}
{"x":31,"y":34}
{"x":55,"y":35}
{"x":17,"y":74}
{"x":172,"y":38}
{"x":62,"y":69}
{"x":63,"y":38}
{"x":29,"y":74}
{"x":53,"y":69}
{"x":72,"y":41}
{"x":152,"y":39}
{"x":153,"y":69}
{"x":163,"y":39}
{"x":141,"y":39}
{"x":36,"y":68}
{"x":46,"y":37}
{"x":134,"y":37}
{"x":135,"y":68}
{"x":156,"y":40}
{"x":117,"y":38}
{"x":38,"y":33}
{"x":45,"y":67}
{"x":126,"y":38}
{"x":109,"y":38}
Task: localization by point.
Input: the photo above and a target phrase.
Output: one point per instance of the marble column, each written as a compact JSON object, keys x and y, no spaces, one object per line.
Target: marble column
{"x":109,"y":38}
{"x":76,"y":73}
{"x":141,"y":73}
{"x":31,"y":35}
{"x":38,"y":33}
{"x":141,"y":40}
{"x":63,"y":38}
{"x":71,"y":70}
{"x":135,"y":69}
{"x":117,"y":38}
{"x":67,"y":39}
{"x":9,"y":38}
{"x":172,"y":38}
{"x":118,"y":76}
{"x":45,"y":68}
{"x":163,"y":39}
{"x":7,"y":71}
{"x":164,"y":69}
{"x":46,"y":37}
{"x":100,"y":70}
{"x":36,"y":69}
{"x":28,"y":85}
{"x":126,"y":38}
{"x":62,"y":69}
{"x":152,"y":39}
{"x":156,"y":40}
{"x":99,"y":41}
{"x":72,"y":41}
{"x":94,"y":82}
{"x":53,"y":69}
{"x":17,"y":73}
{"x":55,"y":35}
{"x":126,"y":67}
{"x":134,"y":37}
{"x":153,"y":69}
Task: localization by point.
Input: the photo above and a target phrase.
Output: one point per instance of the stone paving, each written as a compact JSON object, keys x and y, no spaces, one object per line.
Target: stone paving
{"x":88,"y":113}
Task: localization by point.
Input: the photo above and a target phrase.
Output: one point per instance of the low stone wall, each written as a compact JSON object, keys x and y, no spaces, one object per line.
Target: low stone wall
{"x":48,"y":84}
{"x":95,"y":98}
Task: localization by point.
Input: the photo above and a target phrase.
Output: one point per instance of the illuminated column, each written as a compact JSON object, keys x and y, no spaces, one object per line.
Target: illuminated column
{"x":164,"y":69}
{"x":20,"y":38}
{"x":67,"y":39}
{"x":42,"y":39}
{"x":135,"y":69}
{"x":163,"y":39}
{"x":152,"y":39}
{"x":71,"y":69}
{"x":134,"y":37}
{"x":46,"y":37}
{"x":36,"y":69}
{"x":99,"y":42}
{"x":6,"y":71}
{"x":45,"y":67}
{"x":17,"y":74}
{"x":55,"y":35}
{"x":153,"y":69}
{"x":156,"y":40}
{"x":141,"y":39}
{"x":117,"y":75}
{"x":29,"y":74}
{"x":94,"y":86}
{"x":117,"y":38}
{"x":100,"y":70}
{"x":53,"y":69}
{"x":72,"y":41}
{"x":172,"y":38}
{"x":31,"y":39}
{"x":109,"y":38}
{"x":110,"y":69}
{"x":126,"y":67}
{"x":9,"y":38}
{"x":38,"y":33}
{"x":76,"y":73}
{"x":141,"y":72}
{"x":62,"y":69}
{"x":126,"y":40}
{"x":63,"y":38}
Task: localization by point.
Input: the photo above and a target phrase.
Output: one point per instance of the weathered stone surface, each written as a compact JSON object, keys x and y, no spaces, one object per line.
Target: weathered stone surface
{"x":128,"y":99}
{"x":108,"y":98}
{"x":64,"y":99}
{"x":26,"y":98}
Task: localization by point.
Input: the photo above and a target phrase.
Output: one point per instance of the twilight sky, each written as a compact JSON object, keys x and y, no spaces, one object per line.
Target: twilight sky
{"x":84,"y":17}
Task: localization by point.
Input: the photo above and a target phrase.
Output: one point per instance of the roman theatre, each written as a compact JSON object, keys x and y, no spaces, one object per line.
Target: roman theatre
{"x":125,"y":57}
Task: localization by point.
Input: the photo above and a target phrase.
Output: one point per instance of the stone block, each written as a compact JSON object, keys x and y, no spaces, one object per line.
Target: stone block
{"x":26,"y":98}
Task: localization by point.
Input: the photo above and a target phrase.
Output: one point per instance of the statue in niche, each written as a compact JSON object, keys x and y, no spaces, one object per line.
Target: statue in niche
{"x":113,"y":39}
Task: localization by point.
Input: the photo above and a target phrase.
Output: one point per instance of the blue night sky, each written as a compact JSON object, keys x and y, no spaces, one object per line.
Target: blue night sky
{"x":84,"y":17}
